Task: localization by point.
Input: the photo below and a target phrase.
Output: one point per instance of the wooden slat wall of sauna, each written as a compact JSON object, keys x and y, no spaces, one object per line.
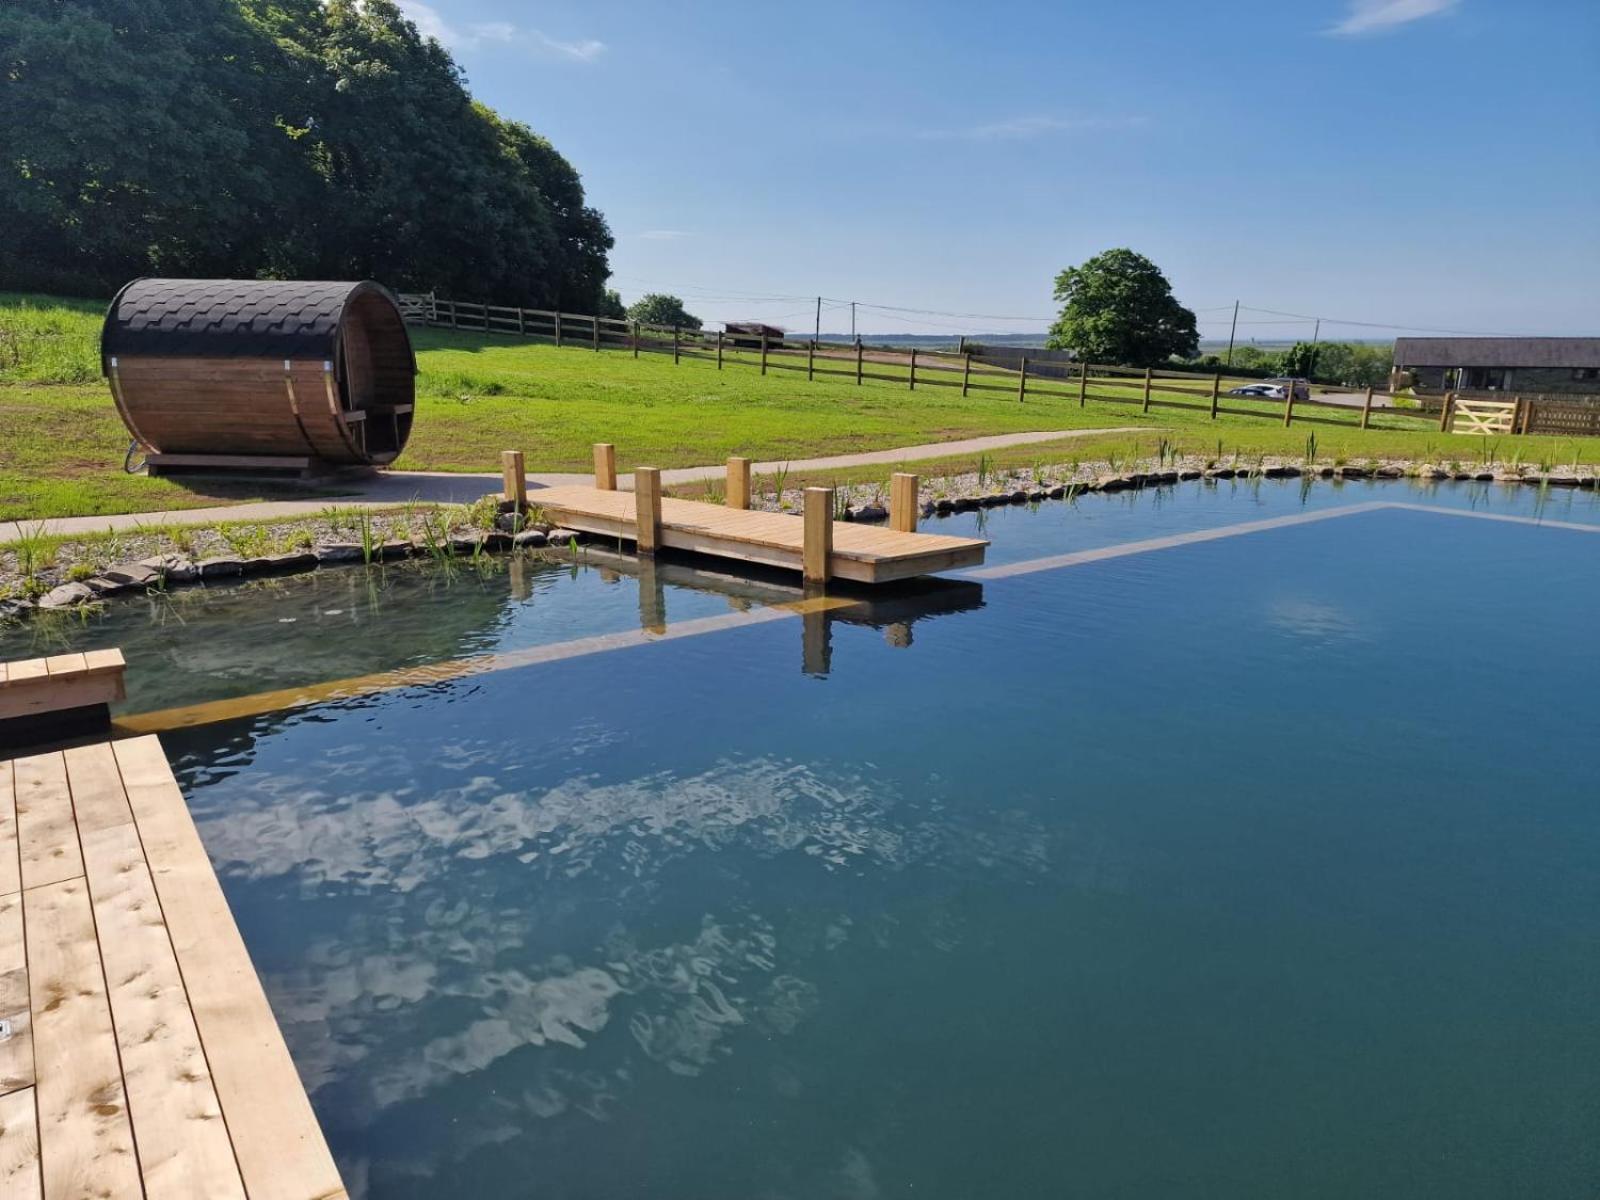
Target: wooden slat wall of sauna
{"x":232,"y":406}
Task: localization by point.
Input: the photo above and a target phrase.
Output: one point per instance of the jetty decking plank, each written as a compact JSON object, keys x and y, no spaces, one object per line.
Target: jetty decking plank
{"x":278,"y":1144}
{"x":10,"y":863}
{"x":16,"y":1050}
{"x":863,"y":553}
{"x":19,"y":1146}
{"x":46,"y":832}
{"x":86,"y":1139}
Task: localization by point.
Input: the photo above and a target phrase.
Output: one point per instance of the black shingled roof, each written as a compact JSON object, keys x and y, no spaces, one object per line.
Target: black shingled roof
{"x":228,"y":318}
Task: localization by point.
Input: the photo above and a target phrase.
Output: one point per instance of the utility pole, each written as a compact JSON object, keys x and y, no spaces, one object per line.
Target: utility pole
{"x":1232,"y":329}
{"x":816,"y":330}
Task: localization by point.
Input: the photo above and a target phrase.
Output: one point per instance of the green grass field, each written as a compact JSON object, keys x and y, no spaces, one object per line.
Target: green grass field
{"x":62,"y":444}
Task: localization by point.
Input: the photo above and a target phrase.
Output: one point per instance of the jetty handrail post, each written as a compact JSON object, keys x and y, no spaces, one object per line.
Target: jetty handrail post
{"x":811,"y":354}
{"x":647,"y":508}
{"x":858,"y":362}
{"x":763,"y":351}
{"x":1083,"y":383}
{"x":676,"y":345}
{"x":514,"y":475}
{"x":738,"y":490}
{"x":605,"y":467}
{"x":1148,"y":374}
{"x":1366,"y":408}
{"x":1216,"y":392}
{"x":966,"y":370}
{"x":817,"y":541}
{"x":1288,"y":403}
{"x":1022,"y":382}
{"x":903,"y":502}
{"x":913,"y":377}
{"x":1446,"y":412}
{"x":719,"y":349}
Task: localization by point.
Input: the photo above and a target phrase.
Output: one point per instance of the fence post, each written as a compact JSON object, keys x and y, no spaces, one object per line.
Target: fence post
{"x":1147,"y":374}
{"x":1366,"y":408}
{"x":858,"y":362}
{"x":966,"y":369}
{"x":595,"y":321}
{"x":1527,"y":416}
{"x":817,"y":537}
{"x":1288,"y":403}
{"x":912,"y":380}
{"x":557,"y":316}
{"x":647,"y":508}
{"x":1446,"y":411}
{"x":903,"y":502}
{"x":1022,"y":381}
{"x":719,"y":349}
{"x":486,"y":316}
{"x":763,"y":351}
{"x":605,"y":467}
{"x":1083,"y":383}
{"x":522,"y":323}
{"x":811,"y":354}
{"x":515,"y":476}
{"x":738,"y":491}
{"x":676,"y":345}
{"x":1216,"y":391}
{"x":1516,"y":415}
{"x":636,"y":339}
{"x":455,"y":321}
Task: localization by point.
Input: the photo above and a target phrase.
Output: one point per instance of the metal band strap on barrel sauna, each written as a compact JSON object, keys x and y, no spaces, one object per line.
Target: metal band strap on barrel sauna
{"x":116,"y":396}
{"x":333,"y":407}
{"x":294,"y":405}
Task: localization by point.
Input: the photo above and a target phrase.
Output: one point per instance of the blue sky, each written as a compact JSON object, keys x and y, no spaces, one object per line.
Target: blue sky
{"x":1433,"y":163}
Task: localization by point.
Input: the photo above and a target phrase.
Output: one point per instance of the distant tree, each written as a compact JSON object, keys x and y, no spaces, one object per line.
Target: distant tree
{"x":658,"y":309}
{"x":1300,"y":360}
{"x":611,"y":305}
{"x":1359,"y":364}
{"x":1118,"y":308}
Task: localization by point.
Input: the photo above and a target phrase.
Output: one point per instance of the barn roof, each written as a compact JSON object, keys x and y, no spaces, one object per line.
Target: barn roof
{"x":228,"y":318}
{"x":1497,"y":352}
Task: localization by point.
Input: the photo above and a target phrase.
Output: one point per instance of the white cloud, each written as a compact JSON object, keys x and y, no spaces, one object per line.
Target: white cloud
{"x":431,"y":23}
{"x":1022,"y":128}
{"x":663,"y":235}
{"x":1378,"y":16}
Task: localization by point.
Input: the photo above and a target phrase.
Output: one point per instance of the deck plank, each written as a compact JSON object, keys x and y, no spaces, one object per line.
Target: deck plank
{"x":98,"y":799}
{"x":85,"y":1137}
{"x":19,"y":1146}
{"x":184,"y":1148}
{"x":46,"y":835}
{"x":277,"y":1142}
{"x":16,"y":1049}
{"x":10,"y":862}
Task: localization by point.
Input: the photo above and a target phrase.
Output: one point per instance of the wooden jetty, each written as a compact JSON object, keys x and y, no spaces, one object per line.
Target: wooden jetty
{"x":815,"y":544}
{"x":59,"y":696}
{"x":138,"y":1054}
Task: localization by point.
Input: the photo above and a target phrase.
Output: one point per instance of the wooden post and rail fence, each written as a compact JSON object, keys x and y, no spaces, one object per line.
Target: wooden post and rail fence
{"x":1148,"y":388}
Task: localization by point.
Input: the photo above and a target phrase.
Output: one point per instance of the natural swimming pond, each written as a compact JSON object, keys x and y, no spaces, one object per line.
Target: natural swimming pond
{"x":1256,"y":866}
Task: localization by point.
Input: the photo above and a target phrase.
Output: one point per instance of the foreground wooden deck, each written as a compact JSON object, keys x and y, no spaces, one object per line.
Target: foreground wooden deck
{"x":139,"y":1056}
{"x":861,"y":553}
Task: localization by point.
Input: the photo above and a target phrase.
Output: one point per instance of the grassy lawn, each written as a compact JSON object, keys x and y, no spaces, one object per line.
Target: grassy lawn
{"x":62,"y":444}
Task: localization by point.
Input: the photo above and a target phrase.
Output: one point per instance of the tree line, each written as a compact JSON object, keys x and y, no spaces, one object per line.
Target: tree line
{"x":274,"y":138}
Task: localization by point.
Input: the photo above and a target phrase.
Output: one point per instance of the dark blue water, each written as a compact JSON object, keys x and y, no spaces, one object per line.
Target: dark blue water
{"x":1262,"y":867}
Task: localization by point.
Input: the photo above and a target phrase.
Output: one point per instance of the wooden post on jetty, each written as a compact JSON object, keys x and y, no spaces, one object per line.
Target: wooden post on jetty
{"x":903,"y":502}
{"x":515,"y":475}
{"x":647,"y":508}
{"x":605,"y":467}
{"x":738,"y":492}
{"x":817,"y":545}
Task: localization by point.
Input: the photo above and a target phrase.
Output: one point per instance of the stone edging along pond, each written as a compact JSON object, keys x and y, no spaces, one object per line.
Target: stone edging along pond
{"x":953,"y":494}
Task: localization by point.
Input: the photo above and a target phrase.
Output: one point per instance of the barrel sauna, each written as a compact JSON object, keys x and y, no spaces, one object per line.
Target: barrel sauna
{"x":260,"y":374}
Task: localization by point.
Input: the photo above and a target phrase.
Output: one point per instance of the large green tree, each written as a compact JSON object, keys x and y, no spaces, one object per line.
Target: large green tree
{"x":656,"y":309}
{"x":322,"y":138}
{"x":1118,"y":308}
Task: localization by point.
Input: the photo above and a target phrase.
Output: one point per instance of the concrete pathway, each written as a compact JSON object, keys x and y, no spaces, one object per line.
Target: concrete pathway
{"x":389,"y":488}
